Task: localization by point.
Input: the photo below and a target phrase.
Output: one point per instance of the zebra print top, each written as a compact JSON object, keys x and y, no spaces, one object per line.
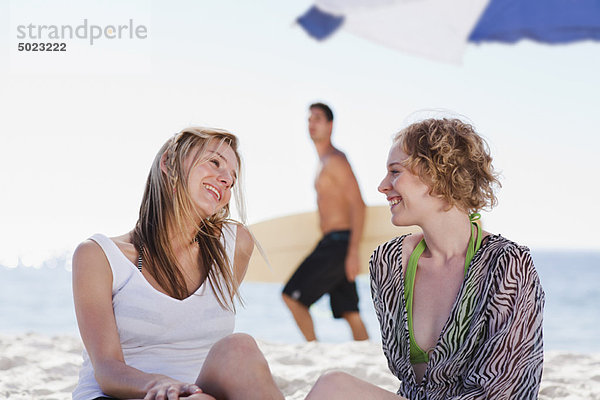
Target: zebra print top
{"x":491,"y":346}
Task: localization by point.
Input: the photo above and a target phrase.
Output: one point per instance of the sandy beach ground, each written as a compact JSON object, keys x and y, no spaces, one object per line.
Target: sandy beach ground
{"x":34,"y":366}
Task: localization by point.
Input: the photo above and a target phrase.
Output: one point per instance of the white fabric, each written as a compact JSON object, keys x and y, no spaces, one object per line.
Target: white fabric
{"x":339,"y":7}
{"x":436,"y":29}
{"x":160,"y":334}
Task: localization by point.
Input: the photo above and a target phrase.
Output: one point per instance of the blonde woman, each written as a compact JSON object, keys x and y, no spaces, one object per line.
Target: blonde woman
{"x":460,"y":309}
{"x":155,"y":306}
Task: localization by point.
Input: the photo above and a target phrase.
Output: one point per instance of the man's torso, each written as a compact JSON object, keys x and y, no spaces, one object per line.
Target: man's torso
{"x":332,"y":202}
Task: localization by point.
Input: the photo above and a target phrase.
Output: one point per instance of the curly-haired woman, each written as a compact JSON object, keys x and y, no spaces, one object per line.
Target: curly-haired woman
{"x":460,"y":309}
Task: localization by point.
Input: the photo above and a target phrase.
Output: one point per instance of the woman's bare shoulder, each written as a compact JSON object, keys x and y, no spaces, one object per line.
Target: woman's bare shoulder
{"x":87,"y":251}
{"x":410,"y":242}
{"x":244,"y":245}
{"x":244,"y":240}
{"x":89,"y":264}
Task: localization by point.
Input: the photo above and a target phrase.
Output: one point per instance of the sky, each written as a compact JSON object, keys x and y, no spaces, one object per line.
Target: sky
{"x":79,"y":129}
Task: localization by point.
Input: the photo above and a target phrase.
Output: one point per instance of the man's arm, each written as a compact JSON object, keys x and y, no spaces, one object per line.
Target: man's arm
{"x":343,"y":173}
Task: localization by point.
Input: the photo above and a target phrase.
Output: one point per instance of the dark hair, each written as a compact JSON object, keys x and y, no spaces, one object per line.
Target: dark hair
{"x":325,"y":108}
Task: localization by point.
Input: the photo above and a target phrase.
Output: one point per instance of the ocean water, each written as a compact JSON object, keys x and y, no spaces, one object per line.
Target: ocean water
{"x":39,"y":300}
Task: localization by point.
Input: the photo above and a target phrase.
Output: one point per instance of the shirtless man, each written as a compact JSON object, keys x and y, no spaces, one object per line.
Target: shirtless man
{"x":333,"y":265}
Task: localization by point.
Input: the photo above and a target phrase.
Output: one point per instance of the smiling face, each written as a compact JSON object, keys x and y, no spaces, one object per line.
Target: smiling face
{"x":409,"y":198}
{"x":211,"y":178}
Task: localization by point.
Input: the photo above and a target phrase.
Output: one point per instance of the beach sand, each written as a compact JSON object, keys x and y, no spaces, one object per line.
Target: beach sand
{"x":34,"y":366}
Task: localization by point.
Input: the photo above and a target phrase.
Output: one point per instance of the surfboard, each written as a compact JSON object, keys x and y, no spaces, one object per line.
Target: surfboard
{"x":287,"y":240}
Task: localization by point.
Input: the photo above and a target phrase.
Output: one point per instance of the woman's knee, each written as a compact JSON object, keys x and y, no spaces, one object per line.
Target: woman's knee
{"x":332,"y":381}
{"x":238,"y":350}
{"x":237,"y":356}
{"x":236,"y":344}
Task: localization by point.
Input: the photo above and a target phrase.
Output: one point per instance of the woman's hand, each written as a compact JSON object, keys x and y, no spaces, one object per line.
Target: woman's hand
{"x":165,"y":388}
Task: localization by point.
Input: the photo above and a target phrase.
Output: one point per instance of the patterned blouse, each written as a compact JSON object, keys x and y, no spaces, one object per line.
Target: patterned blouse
{"x":491,"y":346}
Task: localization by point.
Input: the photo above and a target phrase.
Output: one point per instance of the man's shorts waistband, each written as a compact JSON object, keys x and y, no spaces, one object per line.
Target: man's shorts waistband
{"x":338,"y":235}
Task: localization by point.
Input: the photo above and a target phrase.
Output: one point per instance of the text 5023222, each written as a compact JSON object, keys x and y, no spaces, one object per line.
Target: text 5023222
{"x":35,"y":46}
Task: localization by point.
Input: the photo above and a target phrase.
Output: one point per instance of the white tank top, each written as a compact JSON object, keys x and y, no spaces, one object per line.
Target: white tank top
{"x":158,"y":333}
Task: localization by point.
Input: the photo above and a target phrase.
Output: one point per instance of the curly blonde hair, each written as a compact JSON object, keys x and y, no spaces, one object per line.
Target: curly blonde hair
{"x":453,"y":160}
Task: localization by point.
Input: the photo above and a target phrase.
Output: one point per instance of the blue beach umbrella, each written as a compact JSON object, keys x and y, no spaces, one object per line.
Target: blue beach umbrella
{"x":548,"y":21}
{"x":441,"y":29}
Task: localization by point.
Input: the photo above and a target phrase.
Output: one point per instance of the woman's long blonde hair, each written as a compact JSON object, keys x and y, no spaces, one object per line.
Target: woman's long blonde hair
{"x":166,"y":204}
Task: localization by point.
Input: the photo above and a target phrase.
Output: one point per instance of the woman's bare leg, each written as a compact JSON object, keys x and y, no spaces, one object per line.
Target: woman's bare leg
{"x":235,"y":369}
{"x":342,"y":386}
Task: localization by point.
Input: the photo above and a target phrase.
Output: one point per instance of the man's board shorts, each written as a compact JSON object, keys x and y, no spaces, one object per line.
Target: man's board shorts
{"x":324,"y":271}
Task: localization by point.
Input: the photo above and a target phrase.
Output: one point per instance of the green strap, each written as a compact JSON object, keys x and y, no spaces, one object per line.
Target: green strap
{"x":417,"y":355}
{"x":474,"y":245}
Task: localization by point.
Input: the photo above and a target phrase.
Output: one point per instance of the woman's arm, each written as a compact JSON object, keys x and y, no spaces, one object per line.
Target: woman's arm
{"x":92,"y":294}
{"x":244,"y":245}
{"x":508,"y":364}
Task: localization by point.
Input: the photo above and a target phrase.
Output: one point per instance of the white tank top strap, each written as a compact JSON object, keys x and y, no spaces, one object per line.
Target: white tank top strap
{"x":120,"y":265}
{"x":109,"y":247}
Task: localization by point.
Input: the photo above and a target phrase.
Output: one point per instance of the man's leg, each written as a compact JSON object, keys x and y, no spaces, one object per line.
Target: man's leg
{"x":344,"y":304}
{"x":302,"y":317}
{"x":312,"y":279}
{"x":359,"y":332}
